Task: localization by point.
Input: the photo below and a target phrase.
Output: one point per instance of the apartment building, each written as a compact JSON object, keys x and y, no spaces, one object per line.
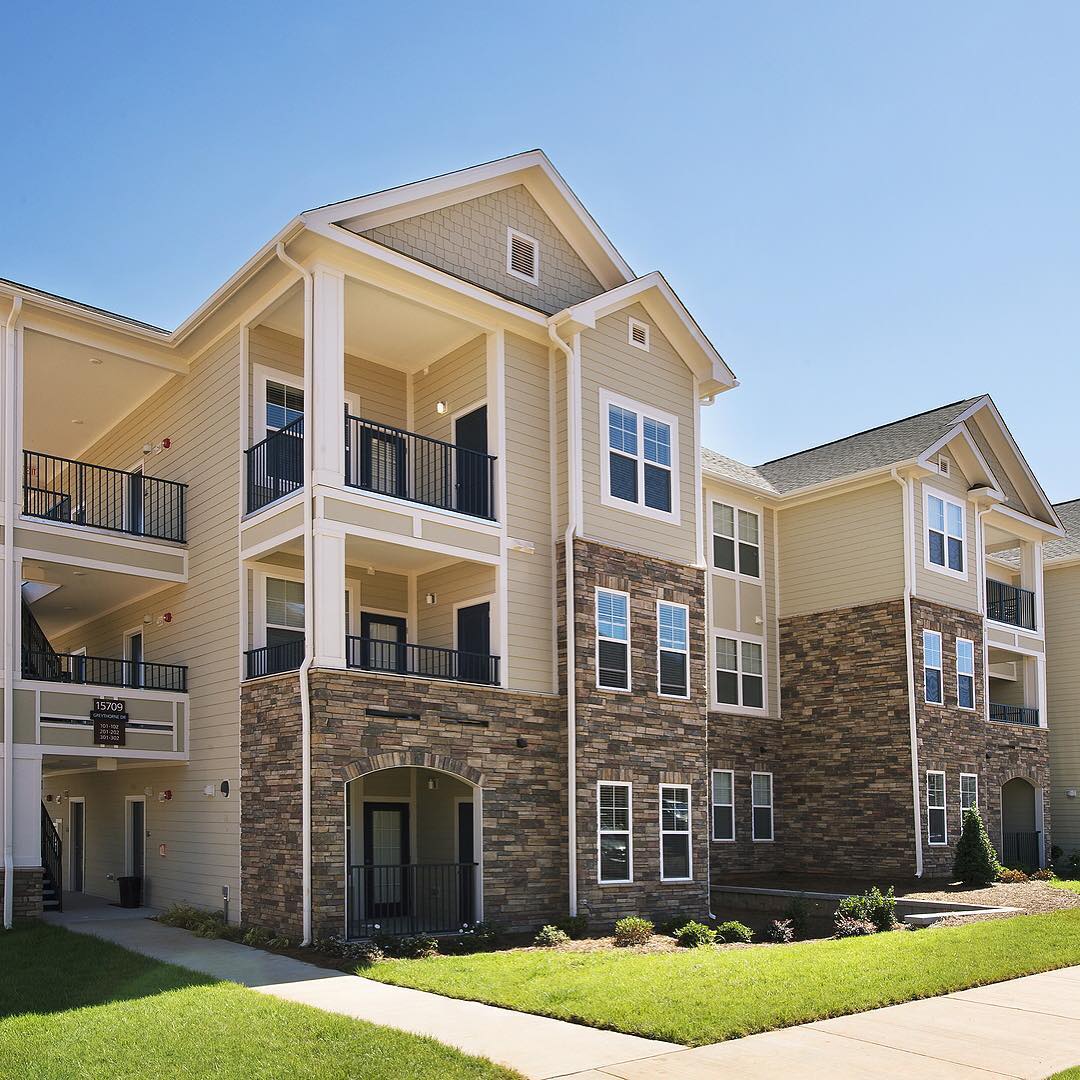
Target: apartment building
{"x":393,"y":591}
{"x":1061,"y":566}
{"x":890,"y":655}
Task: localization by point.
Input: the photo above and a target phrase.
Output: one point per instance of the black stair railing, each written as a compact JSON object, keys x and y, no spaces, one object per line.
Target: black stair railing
{"x":390,"y":461}
{"x":39,"y":657}
{"x":1010,"y":604}
{"x":77,"y":493}
{"x":424,"y":661}
{"x":51,"y":860}
{"x":275,"y":466}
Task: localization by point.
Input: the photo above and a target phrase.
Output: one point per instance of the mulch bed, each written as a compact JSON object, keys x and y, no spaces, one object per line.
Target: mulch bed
{"x":1031,"y":897}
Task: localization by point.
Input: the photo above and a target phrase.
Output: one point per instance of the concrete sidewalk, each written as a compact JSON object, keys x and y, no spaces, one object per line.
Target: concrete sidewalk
{"x":536,"y":1046}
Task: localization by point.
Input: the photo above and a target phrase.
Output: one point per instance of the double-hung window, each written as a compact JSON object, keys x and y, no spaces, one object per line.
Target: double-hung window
{"x":723,"y":805}
{"x":641,"y":447}
{"x":936,"y":827}
{"x":945,"y":534}
{"x":740,"y":673}
{"x":284,"y":404}
{"x":965,"y":673}
{"x":969,"y":791}
{"x":612,"y":640}
{"x":284,"y":611}
{"x":761,"y":805}
{"x":932,"y":683}
{"x":736,"y":540}
{"x":675,"y":858}
{"x":673,"y":641}
{"x":614,"y":843}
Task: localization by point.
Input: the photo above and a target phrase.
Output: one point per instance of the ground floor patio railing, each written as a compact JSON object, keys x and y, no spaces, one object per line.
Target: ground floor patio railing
{"x":416,"y":898}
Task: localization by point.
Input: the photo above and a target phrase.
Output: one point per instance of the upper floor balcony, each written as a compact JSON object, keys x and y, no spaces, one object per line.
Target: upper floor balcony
{"x":1011,"y":604}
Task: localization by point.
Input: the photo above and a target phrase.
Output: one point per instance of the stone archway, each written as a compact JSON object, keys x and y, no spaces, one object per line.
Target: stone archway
{"x":1021,"y":836}
{"x":417,"y":758}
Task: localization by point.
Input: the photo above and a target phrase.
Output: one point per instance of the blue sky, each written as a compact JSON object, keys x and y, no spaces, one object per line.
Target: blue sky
{"x":871,"y":209}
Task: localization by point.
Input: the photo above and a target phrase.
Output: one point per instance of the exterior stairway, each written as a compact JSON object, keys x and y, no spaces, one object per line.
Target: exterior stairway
{"x":52,"y":878}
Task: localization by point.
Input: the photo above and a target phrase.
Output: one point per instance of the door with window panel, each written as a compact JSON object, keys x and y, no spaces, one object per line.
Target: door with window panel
{"x":284,"y":405}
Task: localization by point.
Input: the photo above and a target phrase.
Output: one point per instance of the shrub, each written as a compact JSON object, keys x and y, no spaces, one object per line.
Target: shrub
{"x":574,"y":926}
{"x":976,"y":861}
{"x":781,"y":931}
{"x":550,"y":937}
{"x":1045,"y":873}
{"x":729,"y":933}
{"x":258,"y":937}
{"x":1008,"y":876}
{"x":1074,"y":863}
{"x":205,"y":924}
{"x":798,"y":914}
{"x":849,"y":927}
{"x":361,"y":953}
{"x":873,"y":906}
{"x":416,"y":947}
{"x":633,"y":930}
{"x":694,"y":934}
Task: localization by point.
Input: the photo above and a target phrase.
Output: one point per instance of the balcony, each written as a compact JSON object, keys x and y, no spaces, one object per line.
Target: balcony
{"x":75,"y":668}
{"x":418,"y":469}
{"x":1010,"y":604}
{"x":76,"y":493}
{"x":274,"y":659}
{"x":275,"y":466}
{"x":411,"y":898}
{"x":1014,"y":714}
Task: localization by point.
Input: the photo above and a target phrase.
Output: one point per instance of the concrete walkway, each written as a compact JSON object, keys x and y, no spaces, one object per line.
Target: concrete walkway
{"x":536,"y":1046}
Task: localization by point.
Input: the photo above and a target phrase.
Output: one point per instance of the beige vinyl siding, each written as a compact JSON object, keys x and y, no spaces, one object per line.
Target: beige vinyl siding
{"x":468,"y":240}
{"x":531,"y":585}
{"x":842,"y":551}
{"x":198,"y":412}
{"x":459,"y":379}
{"x":562,"y":480}
{"x":744,"y":598}
{"x":1062,"y":607}
{"x":657,"y":379}
{"x":378,"y":592}
{"x":1008,"y":691}
{"x":455,"y":584}
{"x":931,"y":584}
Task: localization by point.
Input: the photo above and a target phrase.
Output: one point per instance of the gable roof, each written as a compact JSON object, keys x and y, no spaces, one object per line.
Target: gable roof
{"x":875,"y":448}
{"x":735,"y":472}
{"x":1068,"y":547}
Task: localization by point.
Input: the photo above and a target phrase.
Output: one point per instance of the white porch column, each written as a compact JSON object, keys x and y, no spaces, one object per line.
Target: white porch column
{"x":328,"y":594}
{"x":326,"y":423}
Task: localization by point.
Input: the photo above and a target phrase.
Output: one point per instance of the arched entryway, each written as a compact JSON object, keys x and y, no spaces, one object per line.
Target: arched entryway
{"x":1021,"y":838}
{"x":412,"y":849}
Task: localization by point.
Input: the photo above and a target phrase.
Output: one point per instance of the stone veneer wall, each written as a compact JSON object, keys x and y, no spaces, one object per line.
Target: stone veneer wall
{"x":639,"y":737}
{"x":474,"y":732}
{"x":847,"y":746}
{"x":27,"y":900}
{"x":954,"y":740}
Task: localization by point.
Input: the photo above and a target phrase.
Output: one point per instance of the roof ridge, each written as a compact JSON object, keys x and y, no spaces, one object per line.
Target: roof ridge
{"x":869,"y":430}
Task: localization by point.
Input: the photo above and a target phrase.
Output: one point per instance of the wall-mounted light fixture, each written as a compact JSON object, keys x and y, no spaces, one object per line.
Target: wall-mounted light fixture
{"x":440,"y":407}
{"x":431,"y":598}
{"x":433,"y":783}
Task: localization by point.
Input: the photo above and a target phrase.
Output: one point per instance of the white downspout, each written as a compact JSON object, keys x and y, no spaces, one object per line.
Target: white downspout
{"x":10,"y":455}
{"x":571,"y":620}
{"x":913,"y":728}
{"x":309,"y":599}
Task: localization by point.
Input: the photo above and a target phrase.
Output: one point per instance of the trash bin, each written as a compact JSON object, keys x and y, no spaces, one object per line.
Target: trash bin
{"x":130,"y":891}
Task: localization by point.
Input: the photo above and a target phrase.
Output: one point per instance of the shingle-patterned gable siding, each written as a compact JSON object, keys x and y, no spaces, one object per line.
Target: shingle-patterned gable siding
{"x":468,"y":240}
{"x":1068,"y":546}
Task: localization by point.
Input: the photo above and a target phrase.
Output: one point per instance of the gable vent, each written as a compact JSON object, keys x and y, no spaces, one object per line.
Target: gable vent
{"x":943,"y":466}
{"x":639,"y":334}
{"x":522,"y":256}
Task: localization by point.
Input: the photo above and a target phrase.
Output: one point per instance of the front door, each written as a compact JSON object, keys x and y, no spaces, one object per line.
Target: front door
{"x":77,"y":842}
{"x":383,"y":462}
{"x":134,"y":660}
{"x":474,"y":643}
{"x":386,"y":857}
{"x":466,"y":871}
{"x":472,"y":476}
{"x":382,"y":642}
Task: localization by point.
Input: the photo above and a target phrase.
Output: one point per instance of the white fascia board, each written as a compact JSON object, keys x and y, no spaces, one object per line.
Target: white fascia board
{"x":1024,"y":525}
{"x":961,"y":432}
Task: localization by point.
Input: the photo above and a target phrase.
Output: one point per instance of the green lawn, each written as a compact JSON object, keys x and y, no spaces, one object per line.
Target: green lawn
{"x":703,"y":995}
{"x":72,"y":1006}
{"x":1068,"y":884}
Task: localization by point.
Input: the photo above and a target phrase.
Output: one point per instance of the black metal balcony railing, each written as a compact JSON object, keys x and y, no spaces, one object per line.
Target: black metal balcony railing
{"x":1014,"y":714}
{"x":423,"y":661}
{"x":1020,"y":850}
{"x":103,"y":671}
{"x":1010,"y":604}
{"x":275,"y":466}
{"x":418,"y":469}
{"x":435,"y":898}
{"x":59,"y":489}
{"x":274,"y":659}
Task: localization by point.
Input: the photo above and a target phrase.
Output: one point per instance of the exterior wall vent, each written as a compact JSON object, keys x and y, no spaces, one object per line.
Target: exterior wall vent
{"x":639,"y":334}
{"x":522,"y":256}
{"x":943,"y":465}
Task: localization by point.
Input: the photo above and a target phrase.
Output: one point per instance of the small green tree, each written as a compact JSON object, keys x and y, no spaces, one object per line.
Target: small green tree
{"x":976,"y":860}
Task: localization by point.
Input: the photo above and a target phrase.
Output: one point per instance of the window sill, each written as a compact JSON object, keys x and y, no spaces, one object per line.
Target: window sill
{"x":676,"y":881}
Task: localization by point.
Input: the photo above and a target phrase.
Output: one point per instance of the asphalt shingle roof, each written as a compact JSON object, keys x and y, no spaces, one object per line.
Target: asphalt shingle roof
{"x":1068,"y":546}
{"x":730,"y":469}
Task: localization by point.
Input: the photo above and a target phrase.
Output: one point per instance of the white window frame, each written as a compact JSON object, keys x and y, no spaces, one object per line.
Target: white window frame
{"x":642,"y":411}
{"x":738,"y":572}
{"x":631,"y":325}
{"x":597,"y":639}
{"x":261,"y":375}
{"x":730,"y":807}
{"x":770,"y":806}
{"x":688,"y":832}
{"x":940,"y":668}
{"x":961,"y":505}
{"x":968,"y":776}
{"x":628,"y":833}
{"x":283,"y":573}
{"x":974,"y":694}
{"x":740,"y":640}
{"x":511,"y":234}
{"x":685,"y":652}
{"x":943,"y":807}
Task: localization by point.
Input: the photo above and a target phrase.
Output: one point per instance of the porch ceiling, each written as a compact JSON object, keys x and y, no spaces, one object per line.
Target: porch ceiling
{"x":362,"y":552}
